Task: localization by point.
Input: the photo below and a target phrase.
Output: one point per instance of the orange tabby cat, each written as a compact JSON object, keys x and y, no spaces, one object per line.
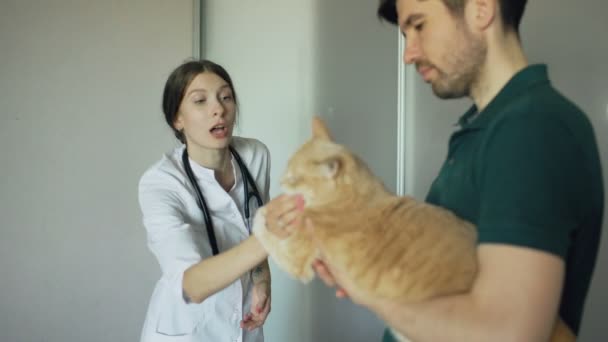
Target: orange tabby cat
{"x":392,"y":247}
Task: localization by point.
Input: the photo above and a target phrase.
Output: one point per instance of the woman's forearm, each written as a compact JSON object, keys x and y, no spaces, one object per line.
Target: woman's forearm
{"x":261,"y":273}
{"x":215,"y":273}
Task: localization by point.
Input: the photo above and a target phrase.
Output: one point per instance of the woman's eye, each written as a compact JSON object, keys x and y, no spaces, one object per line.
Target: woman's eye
{"x":227,"y":97}
{"x":199,"y":101}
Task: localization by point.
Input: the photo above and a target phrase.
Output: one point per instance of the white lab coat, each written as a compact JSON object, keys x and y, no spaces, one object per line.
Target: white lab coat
{"x":177,"y":236}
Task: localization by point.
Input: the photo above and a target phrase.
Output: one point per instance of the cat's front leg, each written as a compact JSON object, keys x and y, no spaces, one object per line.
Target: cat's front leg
{"x":293,"y":254}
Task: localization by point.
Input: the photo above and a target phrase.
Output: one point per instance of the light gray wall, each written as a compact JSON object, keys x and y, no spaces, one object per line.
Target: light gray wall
{"x":80,"y":120}
{"x":570,"y":37}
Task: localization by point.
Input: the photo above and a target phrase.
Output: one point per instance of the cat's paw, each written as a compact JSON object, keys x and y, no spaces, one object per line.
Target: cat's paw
{"x":307,"y":275}
{"x":306,"y":272}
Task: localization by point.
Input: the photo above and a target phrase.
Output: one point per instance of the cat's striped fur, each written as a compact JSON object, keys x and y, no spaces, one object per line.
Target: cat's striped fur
{"x":394,"y":247}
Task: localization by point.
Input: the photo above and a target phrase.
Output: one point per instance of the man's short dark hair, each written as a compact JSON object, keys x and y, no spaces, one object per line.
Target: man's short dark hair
{"x":511,"y":11}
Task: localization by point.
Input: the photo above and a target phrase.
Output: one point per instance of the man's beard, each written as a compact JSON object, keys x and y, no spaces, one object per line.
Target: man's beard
{"x":465,"y":61}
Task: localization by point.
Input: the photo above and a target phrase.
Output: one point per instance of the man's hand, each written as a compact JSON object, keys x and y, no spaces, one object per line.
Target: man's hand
{"x":283,"y":215}
{"x":260,"y":306}
{"x":333,"y":276}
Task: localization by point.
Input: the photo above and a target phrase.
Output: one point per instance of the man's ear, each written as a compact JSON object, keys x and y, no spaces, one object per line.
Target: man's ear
{"x":482,"y":13}
{"x":319,"y":129}
{"x":330,"y":167}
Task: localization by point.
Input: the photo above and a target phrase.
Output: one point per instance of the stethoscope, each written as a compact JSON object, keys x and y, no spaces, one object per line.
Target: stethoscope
{"x":247,"y":180}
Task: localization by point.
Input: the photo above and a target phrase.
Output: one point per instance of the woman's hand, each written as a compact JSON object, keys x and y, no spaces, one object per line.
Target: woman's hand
{"x":284,"y":215}
{"x":260,"y":306}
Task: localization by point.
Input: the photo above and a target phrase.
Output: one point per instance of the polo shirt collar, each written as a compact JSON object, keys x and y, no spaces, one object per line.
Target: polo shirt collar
{"x":520,"y":83}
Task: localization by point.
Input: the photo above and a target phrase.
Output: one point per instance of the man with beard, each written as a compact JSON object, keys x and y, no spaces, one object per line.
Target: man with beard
{"x":523,"y":167}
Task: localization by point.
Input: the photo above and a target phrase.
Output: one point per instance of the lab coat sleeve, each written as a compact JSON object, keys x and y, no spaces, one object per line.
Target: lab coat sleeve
{"x":174,"y":243}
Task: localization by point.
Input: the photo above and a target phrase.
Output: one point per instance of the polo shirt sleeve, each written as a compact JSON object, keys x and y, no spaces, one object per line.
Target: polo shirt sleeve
{"x":528,"y":184}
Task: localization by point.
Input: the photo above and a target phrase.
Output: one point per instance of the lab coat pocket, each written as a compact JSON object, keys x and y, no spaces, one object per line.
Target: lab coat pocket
{"x":181,"y":319}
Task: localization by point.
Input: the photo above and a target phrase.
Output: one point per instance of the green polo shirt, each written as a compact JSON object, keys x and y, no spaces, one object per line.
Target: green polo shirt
{"x":526,"y":172}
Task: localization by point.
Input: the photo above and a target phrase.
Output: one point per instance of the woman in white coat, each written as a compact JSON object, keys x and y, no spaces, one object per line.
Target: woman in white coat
{"x":201,"y":296}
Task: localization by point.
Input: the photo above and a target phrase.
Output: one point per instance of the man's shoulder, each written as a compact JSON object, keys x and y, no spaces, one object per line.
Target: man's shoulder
{"x":547,"y":102}
{"x":543,"y":108}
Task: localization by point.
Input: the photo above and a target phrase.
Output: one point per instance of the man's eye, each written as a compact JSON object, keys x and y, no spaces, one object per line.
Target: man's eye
{"x":419,"y":27}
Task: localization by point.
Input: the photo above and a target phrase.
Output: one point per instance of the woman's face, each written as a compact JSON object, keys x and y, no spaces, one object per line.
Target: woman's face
{"x":207,"y":112}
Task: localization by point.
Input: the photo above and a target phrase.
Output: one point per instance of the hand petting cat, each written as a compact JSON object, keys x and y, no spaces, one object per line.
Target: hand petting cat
{"x":283,"y":215}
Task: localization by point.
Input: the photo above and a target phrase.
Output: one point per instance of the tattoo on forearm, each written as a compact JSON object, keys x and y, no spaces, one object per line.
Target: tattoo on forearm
{"x":259,"y":273}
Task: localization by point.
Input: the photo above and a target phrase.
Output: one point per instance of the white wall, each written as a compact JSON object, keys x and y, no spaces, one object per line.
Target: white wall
{"x":267,"y":47}
{"x":290,"y":59}
{"x":80,"y":120}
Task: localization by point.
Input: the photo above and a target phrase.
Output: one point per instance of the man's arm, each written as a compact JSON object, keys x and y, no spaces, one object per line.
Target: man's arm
{"x":514,"y":298}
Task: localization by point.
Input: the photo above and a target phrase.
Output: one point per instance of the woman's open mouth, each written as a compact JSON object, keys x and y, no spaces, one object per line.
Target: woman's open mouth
{"x":219,"y":131}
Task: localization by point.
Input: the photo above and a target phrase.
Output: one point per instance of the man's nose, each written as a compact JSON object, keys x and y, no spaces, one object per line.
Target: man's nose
{"x":411,"y":53}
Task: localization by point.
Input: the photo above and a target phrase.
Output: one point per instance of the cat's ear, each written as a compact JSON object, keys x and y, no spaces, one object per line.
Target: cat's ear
{"x":319,"y":129}
{"x":331,"y":166}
